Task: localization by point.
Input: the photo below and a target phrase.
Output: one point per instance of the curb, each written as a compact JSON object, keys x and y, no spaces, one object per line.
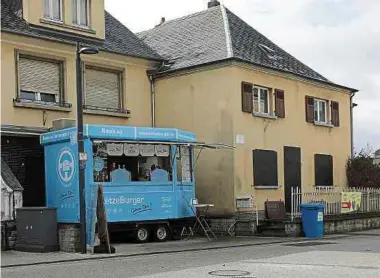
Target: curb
{"x":105,"y":257}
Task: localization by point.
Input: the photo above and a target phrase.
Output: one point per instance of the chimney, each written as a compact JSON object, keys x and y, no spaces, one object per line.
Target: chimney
{"x":213,"y":3}
{"x":162,"y":21}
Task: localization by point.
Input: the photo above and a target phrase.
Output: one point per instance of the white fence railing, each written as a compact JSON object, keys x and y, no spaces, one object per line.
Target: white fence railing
{"x":331,"y":198}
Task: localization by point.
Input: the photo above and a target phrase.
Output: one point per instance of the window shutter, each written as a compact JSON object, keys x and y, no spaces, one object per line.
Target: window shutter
{"x":280,"y":103}
{"x":335,"y":113}
{"x":247,"y":97}
{"x":309,"y":109}
{"x":39,"y":76}
{"x":102,"y":89}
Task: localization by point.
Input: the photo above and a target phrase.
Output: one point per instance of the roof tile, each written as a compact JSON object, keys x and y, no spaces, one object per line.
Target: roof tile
{"x":200,"y":38}
{"x":118,"y":38}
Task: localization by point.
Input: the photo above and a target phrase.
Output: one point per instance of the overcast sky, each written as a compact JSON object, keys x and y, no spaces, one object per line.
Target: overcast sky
{"x":338,"y":38}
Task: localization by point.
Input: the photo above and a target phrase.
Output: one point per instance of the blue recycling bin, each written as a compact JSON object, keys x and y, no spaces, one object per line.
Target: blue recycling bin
{"x":312,"y":219}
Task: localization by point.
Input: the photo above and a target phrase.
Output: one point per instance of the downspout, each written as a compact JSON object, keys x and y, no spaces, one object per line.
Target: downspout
{"x":151,"y":75}
{"x":152,"y":100}
{"x":352,"y":105}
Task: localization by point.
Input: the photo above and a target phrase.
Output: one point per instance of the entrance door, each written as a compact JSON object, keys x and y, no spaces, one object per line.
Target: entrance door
{"x":292,"y":173}
{"x":34,"y":190}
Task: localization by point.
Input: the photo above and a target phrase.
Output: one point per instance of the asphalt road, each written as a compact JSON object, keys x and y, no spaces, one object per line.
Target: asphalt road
{"x":353,"y":256}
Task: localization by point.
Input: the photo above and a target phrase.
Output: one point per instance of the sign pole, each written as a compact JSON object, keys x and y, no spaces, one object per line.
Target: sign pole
{"x":82,"y":201}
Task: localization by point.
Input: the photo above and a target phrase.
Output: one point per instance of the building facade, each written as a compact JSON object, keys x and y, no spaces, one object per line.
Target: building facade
{"x":291,"y":127}
{"x":209,"y":73}
{"x":38,"y":49}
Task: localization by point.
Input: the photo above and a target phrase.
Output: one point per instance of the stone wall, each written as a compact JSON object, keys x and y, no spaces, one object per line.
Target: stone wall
{"x":220,"y":226}
{"x":351,"y":225}
{"x":69,"y":237}
{"x":242,"y":227}
{"x":339,"y":224}
{"x":8,"y":235}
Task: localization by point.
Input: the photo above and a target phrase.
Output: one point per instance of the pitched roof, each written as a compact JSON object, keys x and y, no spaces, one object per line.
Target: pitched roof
{"x":9,"y":178}
{"x":118,"y":38}
{"x":191,"y":40}
{"x":217,"y":34}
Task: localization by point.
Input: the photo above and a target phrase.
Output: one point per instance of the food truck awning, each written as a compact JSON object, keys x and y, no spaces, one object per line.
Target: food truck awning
{"x":198,"y":145}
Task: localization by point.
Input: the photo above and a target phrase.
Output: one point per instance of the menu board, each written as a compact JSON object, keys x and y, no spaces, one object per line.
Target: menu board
{"x":185,"y":161}
{"x":147,"y":150}
{"x":162,"y":150}
{"x":114,"y":149}
{"x":131,"y":149}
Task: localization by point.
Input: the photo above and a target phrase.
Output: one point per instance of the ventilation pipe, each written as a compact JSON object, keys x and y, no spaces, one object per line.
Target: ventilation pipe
{"x":213,"y":3}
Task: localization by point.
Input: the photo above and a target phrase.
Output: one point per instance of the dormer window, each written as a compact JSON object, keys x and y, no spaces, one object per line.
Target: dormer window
{"x":53,"y":9}
{"x":81,"y":12}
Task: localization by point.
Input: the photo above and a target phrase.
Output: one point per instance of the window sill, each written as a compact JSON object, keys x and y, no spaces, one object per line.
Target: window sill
{"x":43,"y":106}
{"x":107,"y":113}
{"x":264,"y":115}
{"x":73,"y":27}
{"x":323,"y":124}
{"x":266,"y":186}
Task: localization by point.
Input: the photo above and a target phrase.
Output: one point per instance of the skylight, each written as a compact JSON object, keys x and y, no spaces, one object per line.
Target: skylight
{"x":266,"y":49}
{"x":271,"y":53}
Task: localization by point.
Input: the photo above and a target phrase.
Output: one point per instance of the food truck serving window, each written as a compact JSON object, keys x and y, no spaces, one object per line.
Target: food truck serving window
{"x":124,"y":162}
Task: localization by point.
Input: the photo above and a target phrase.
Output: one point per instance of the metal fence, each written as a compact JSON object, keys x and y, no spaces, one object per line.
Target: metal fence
{"x":331,"y":198}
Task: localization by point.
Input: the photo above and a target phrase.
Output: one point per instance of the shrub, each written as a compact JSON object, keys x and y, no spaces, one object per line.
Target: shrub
{"x":362,"y":172}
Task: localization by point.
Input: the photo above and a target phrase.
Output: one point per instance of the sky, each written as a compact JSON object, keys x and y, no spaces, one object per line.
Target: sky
{"x":340,"y":39}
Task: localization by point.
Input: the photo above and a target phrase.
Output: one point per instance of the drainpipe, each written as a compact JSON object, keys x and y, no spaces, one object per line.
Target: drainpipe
{"x":152,"y":100}
{"x":352,"y":105}
{"x":151,"y":75}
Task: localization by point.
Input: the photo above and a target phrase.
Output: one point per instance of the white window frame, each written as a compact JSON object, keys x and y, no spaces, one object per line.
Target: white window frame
{"x":317,"y":104}
{"x":37,"y":96}
{"x":259,"y":98}
{"x":51,"y":17}
{"x":78,"y":8}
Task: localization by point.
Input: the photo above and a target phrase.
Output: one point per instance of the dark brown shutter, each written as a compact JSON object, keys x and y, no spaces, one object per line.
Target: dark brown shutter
{"x":309,"y":109}
{"x":335,"y":113}
{"x":280,"y":103}
{"x":246,"y":97}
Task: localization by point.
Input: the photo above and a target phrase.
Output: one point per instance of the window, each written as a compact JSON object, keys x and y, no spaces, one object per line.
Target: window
{"x":53,"y":9}
{"x":320,"y":111}
{"x":317,"y":111}
{"x":39,"y":80}
{"x":103,"y":89}
{"x":125,"y":162}
{"x":323,"y":165}
{"x":265,"y":168}
{"x":80,"y":12}
{"x":260,"y":100}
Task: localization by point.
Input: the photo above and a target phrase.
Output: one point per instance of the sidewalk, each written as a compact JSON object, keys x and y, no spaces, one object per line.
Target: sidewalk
{"x":15,"y":258}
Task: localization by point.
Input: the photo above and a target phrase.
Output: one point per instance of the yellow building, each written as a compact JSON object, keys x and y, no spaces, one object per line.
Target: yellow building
{"x":38,"y":74}
{"x":229,"y":84}
{"x":209,"y":73}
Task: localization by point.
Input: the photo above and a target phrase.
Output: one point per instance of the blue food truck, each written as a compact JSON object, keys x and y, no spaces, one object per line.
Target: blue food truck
{"x":147,"y":176}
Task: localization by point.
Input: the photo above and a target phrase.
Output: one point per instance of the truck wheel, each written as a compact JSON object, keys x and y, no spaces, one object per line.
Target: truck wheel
{"x":161,"y":233}
{"x":142,"y":234}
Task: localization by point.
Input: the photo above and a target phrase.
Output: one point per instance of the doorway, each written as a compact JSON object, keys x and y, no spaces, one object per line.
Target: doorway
{"x":292,"y":173}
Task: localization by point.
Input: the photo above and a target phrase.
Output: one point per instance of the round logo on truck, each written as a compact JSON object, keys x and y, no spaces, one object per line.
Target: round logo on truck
{"x":66,"y":166}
